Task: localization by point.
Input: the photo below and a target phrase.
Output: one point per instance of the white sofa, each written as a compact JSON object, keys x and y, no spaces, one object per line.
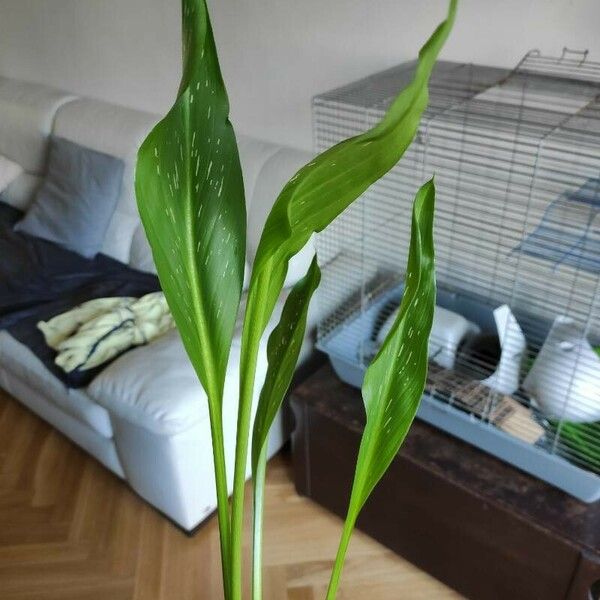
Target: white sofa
{"x":145,"y":416}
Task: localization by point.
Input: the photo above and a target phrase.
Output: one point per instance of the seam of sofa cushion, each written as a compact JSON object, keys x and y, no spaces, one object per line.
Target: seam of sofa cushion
{"x":142,"y":418}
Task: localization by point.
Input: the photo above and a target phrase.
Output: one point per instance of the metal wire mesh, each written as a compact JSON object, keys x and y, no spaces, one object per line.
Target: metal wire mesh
{"x":516,"y":156}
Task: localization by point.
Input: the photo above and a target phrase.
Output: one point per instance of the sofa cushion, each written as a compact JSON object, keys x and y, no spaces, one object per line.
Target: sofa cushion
{"x":27,"y":113}
{"x":117,"y":131}
{"x":153,"y":386}
{"x":77,"y":199}
{"x":140,"y":256}
{"x":169,"y":399}
{"x":254,"y":154}
{"x":23,"y":364}
{"x":21,"y":192}
{"x":274,"y":174}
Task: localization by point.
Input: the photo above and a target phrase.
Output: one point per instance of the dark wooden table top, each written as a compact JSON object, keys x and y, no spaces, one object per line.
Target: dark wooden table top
{"x":464,"y":465}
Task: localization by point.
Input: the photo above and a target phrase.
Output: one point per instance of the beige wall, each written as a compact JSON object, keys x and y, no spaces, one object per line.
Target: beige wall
{"x":275,"y":54}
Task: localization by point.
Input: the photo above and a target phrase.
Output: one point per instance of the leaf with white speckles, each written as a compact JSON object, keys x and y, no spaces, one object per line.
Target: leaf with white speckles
{"x":394,"y":382}
{"x":191,"y":200}
{"x":190,"y":196}
{"x":395,"y":379}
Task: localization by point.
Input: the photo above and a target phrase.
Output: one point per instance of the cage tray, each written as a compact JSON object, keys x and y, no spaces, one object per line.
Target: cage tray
{"x":353,"y":339}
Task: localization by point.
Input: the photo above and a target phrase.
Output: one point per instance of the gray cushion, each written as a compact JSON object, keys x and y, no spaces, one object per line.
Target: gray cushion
{"x":77,"y":199}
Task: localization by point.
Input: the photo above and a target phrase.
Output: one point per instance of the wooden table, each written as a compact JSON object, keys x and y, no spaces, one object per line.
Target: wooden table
{"x":472,"y":521}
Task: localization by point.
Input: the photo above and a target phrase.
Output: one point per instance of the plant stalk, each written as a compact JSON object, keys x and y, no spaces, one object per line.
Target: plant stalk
{"x":340,"y":557}
{"x":257,"y":529}
{"x":251,"y":336}
{"x":224,"y":518}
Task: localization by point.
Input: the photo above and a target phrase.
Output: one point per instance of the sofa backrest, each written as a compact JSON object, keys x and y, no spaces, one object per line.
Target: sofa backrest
{"x":30,"y":112}
{"x":267,"y":168}
{"x":27,"y":112}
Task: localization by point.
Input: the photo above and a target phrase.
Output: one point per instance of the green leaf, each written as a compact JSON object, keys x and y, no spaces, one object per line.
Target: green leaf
{"x":190,"y":197}
{"x":283,"y":350}
{"x":324,"y":188}
{"x":191,"y":200}
{"x":394,"y":382}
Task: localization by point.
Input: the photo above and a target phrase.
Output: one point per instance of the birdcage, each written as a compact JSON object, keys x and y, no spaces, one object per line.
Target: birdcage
{"x":514,"y":364}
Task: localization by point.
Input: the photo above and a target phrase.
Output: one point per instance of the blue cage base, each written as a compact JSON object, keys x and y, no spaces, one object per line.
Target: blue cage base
{"x":353,"y":339}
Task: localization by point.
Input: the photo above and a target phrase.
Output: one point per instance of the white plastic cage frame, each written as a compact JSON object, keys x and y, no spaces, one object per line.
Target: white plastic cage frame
{"x":514,"y":367}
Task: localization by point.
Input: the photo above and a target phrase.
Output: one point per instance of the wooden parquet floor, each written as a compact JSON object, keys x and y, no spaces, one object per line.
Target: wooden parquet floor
{"x":70,"y":530}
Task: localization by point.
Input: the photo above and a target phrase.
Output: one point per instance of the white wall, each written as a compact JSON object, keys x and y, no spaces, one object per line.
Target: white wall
{"x":275,"y":54}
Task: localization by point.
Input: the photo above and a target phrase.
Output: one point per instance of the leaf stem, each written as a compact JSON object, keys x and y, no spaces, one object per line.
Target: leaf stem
{"x":216,"y":430}
{"x":257,"y":529}
{"x":340,"y":557}
{"x":251,"y":336}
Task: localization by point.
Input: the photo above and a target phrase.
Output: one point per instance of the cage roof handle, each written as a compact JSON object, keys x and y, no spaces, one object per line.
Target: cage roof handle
{"x":533,"y":53}
{"x":567,"y":51}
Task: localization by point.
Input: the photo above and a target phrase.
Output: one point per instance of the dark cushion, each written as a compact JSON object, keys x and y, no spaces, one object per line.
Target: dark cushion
{"x":77,"y":199}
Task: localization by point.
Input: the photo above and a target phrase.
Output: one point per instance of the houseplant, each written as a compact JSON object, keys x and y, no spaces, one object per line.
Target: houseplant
{"x":191,"y":200}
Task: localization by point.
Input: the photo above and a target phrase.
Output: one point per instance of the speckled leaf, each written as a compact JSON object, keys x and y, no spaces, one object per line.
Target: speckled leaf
{"x":191,"y":200}
{"x":283,"y":350}
{"x":394,"y":382}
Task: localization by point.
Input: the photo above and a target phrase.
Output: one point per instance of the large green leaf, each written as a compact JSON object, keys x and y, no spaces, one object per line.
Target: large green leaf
{"x":191,"y":200}
{"x":190,"y":197}
{"x":394,"y":382}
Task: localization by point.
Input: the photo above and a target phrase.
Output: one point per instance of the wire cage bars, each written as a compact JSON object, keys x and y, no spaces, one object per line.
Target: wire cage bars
{"x":514,"y":350}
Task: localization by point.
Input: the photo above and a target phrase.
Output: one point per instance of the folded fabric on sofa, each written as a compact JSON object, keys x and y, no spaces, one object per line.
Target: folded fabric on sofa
{"x":40,"y":280}
{"x":99,"y":330}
